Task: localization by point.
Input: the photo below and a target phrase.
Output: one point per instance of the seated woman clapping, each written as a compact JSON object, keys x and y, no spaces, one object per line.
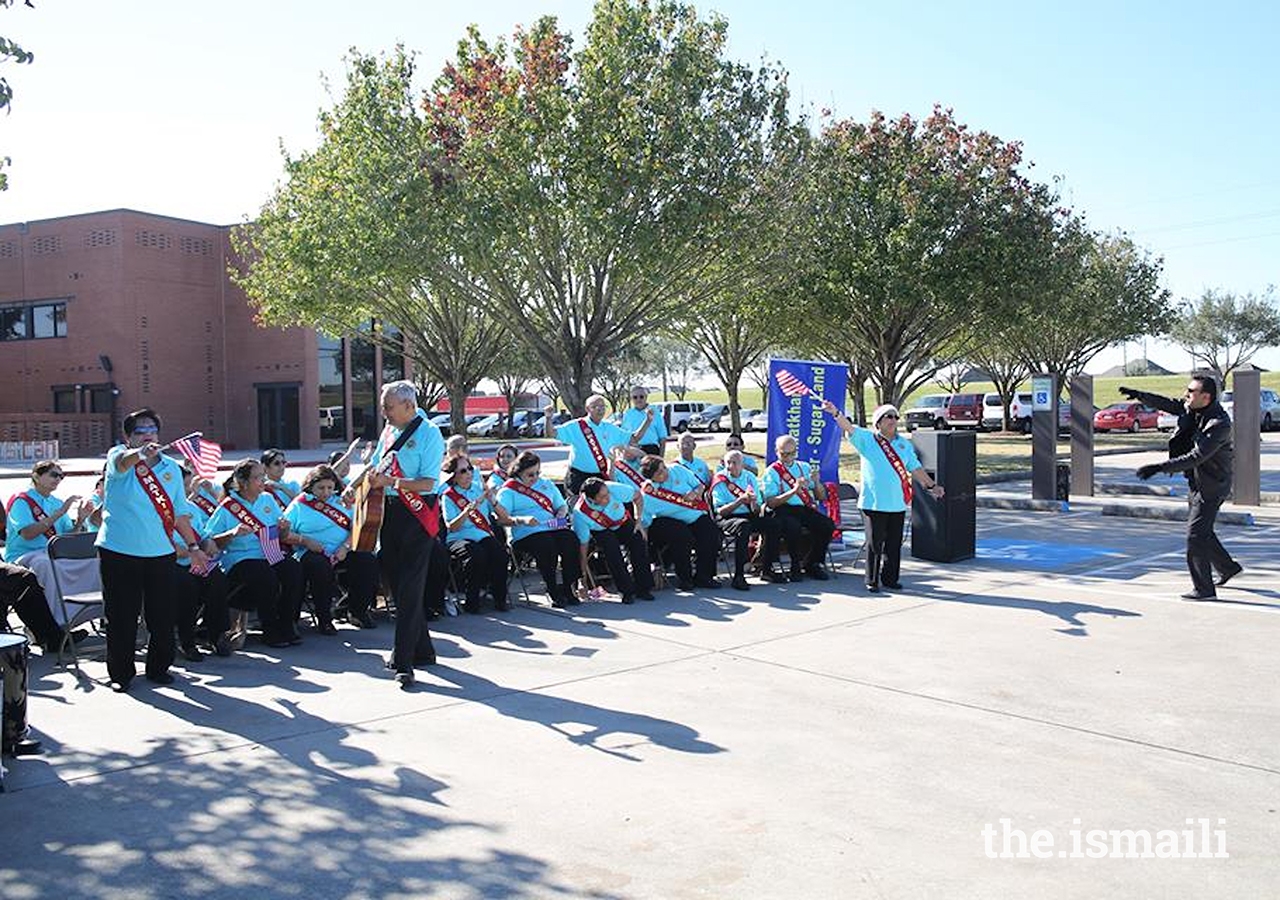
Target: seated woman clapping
{"x":468,"y":508}
{"x":535,"y":511}
{"x":320,"y":530}
{"x":248,"y":527}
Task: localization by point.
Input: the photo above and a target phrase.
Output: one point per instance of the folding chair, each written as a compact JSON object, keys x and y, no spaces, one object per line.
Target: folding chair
{"x":77,"y":609}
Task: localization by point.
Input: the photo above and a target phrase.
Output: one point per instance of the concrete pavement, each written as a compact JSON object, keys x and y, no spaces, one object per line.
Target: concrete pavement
{"x":800,"y":741}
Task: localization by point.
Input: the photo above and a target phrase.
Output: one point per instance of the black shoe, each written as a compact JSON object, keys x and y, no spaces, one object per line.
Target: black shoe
{"x":646,"y":595}
{"x":121,"y":687}
{"x":709,"y":584}
{"x":684,"y":586}
{"x":818,"y":573}
{"x":873,"y":587}
{"x":1226,"y":576}
{"x":293,"y":638}
{"x":404,"y":679}
{"x":893,"y":585}
{"x":777,"y":576}
{"x":361,"y":618}
{"x":192,"y":653}
{"x":795,"y":575}
{"x":1199,"y":595}
{"x":278,"y":642}
{"x":628,"y":599}
{"x":25,"y":747}
{"x":740,"y":584}
{"x":570,"y":598}
{"x":472,"y":607}
{"x":222,"y":646}
{"x":326,"y":628}
{"x":559,"y":601}
{"x":160,"y":677}
{"x":502,"y":605}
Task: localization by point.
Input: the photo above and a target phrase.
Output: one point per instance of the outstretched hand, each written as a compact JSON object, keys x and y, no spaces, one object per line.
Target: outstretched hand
{"x":1149,"y":470}
{"x":1129,"y":392}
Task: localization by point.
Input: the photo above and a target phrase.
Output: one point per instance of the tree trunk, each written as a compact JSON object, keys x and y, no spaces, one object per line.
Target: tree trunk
{"x":735,"y":411}
{"x":458,"y":408}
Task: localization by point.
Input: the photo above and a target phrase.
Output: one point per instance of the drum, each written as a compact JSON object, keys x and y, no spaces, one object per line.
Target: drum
{"x":14,"y":653}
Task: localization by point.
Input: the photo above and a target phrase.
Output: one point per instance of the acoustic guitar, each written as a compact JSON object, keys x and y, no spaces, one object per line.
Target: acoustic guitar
{"x":367,"y":509}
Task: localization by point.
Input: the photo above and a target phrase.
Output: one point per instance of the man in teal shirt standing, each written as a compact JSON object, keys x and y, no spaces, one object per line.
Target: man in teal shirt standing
{"x":592,"y":443}
{"x":646,"y":424}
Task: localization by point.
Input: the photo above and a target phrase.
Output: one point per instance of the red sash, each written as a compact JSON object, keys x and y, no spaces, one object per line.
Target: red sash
{"x":36,"y":510}
{"x":473,"y":516}
{"x":624,"y":467}
{"x":205,"y":504}
{"x":427,"y":514}
{"x":721,"y":478}
{"x":598,"y":516}
{"x":334,"y":515}
{"x":155,"y":493}
{"x":241,"y":512}
{"x":690,"y":469}
{"x":281,"y":497}
{"x":671,"y":496}
{"x":896,"y":461}
{"x":536,"y":496}
{"x":790,"y":481}
{"x":593,"y":444}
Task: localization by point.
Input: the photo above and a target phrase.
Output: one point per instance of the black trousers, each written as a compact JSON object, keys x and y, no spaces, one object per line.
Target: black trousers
{"x":795,"y":520}
{"x":407,"y":555}
{"x":482,"y":563}
{"x":884,"y":545}
{"x":547,"y":548}
{"x":133,"y":585}
{"x":20,"y":591}
{"x":1204,"y":551}
{"x":676,"y":542}
{"x":358,"y":575}
{"x":197,"y":592}
{"x":639,"y":577}
{"x":741,"y":528}
{"x":652,"y":449}
{"x":573,"y":481}
{"x":274,"y":591}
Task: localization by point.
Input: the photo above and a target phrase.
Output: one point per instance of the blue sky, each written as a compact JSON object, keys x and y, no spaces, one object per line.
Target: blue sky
{"x":1159,"y":118}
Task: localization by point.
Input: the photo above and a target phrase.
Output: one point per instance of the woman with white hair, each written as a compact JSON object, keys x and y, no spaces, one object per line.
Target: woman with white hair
{"x":889,"y":465}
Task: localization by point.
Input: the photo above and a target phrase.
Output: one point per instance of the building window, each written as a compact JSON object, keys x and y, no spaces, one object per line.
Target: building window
{"x":36,"y":320}
{"x":64,"y":400}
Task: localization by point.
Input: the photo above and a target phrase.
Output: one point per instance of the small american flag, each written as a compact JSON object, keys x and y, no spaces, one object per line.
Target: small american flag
{"x":204,"y":455}
{"x":791,"y":385}
{"x":269,"y":537}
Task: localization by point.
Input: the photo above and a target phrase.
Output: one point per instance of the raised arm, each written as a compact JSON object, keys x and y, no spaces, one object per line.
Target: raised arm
{"x":1167,"y":404}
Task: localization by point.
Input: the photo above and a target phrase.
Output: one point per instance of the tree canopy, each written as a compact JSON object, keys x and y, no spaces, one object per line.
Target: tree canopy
{"x":1223,"y":331}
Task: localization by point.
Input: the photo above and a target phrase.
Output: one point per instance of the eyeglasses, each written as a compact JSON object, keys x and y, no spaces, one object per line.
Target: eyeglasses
{"x":889,"y":416}
{"x":145,"y":429}
{"x":56,"y":474}
{"x":1192,"y":389}
{"x":462,"y":471}
{"x":638,"y":396}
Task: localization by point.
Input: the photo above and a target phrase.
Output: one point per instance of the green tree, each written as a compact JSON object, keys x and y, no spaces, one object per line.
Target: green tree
{"x":341,"y":239}
{"x":1223,"y":331}
{"x":1098,"y":291}
{"x":584,"y":196}
{"x":905,"y":216}
{"x":10,"y":51}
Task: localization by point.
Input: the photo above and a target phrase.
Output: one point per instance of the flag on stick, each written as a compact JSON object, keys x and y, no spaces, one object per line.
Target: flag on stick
{"x":269,"y":537}
{"x":204,"y":455}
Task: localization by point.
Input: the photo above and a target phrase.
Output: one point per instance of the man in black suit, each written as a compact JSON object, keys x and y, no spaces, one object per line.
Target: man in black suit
{"x":1201,"y":449}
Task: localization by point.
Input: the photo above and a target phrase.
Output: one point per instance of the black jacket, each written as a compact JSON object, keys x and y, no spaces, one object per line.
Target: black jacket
{"x":1201,"y":445}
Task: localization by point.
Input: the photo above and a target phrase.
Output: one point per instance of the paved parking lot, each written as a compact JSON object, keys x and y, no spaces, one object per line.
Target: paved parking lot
{"x":790,"y":742}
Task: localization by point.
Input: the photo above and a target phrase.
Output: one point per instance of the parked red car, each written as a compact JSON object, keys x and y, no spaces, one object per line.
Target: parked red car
{"x":1125,"y":416}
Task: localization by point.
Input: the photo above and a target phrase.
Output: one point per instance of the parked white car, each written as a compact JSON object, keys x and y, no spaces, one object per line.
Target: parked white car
{"x":1167,"y":421}
{"x":744,"y":415}
{"x":487,"y":426}
{"x":757,"y":422}
{"x":678,"y":413}
{"x":1269,"y":416}
{"x":1019,"y":411}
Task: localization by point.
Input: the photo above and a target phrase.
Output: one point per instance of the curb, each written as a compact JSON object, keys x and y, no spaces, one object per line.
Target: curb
{"x":1023,"y":503}
{"x":1174,"y":514}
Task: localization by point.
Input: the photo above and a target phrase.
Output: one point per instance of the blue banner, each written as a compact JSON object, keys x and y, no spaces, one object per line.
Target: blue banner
{"x":796,"y":391}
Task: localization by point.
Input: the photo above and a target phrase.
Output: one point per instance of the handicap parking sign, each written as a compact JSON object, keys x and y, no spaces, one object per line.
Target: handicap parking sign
{"x":1041,"y":393}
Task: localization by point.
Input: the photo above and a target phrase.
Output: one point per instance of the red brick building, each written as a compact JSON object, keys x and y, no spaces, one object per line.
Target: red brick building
{"x":106,"y":312}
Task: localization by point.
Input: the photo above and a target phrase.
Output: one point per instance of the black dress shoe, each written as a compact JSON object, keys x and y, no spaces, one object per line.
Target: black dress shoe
{"x":628,"y":599}
{"x":1229,"y":574}
{"x":893,"y":585}
{"x":646,"y":595}
{"x":795,"y":575}
{"x":192,"y":653}
{"x":222,"y":646}
{"x":818,"y":573}
{"x":325,"y":628}
{"x":503,"y":605}
{"x":472,"y":607}
{"x":160,"y":677}
{"x":404,"y":678}
{"x":873,"y":587}
{"x":709,"y":584}
{"x":121,"y":687}
{"x":361,"y":618}
{"x":1199,"y":595}
{"x":777,"y":576}
{"x":279,"y":642}
{"x":25,"y":747}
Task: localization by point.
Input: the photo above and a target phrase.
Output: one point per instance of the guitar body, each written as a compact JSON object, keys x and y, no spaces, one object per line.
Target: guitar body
{"x":368,"y":517}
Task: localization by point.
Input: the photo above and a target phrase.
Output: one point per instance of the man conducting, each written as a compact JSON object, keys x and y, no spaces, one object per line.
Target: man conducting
{"x":1200,"y":449}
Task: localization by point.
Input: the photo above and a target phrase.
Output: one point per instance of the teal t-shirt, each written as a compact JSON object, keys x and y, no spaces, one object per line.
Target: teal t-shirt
{"x":131,"y":524}
{"x":20,"y":515}
{"x":881,"y":488}
{"x":247,"y":546}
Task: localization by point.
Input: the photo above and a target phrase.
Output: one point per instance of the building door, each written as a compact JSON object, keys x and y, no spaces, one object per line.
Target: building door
{"x":278,"y":416}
